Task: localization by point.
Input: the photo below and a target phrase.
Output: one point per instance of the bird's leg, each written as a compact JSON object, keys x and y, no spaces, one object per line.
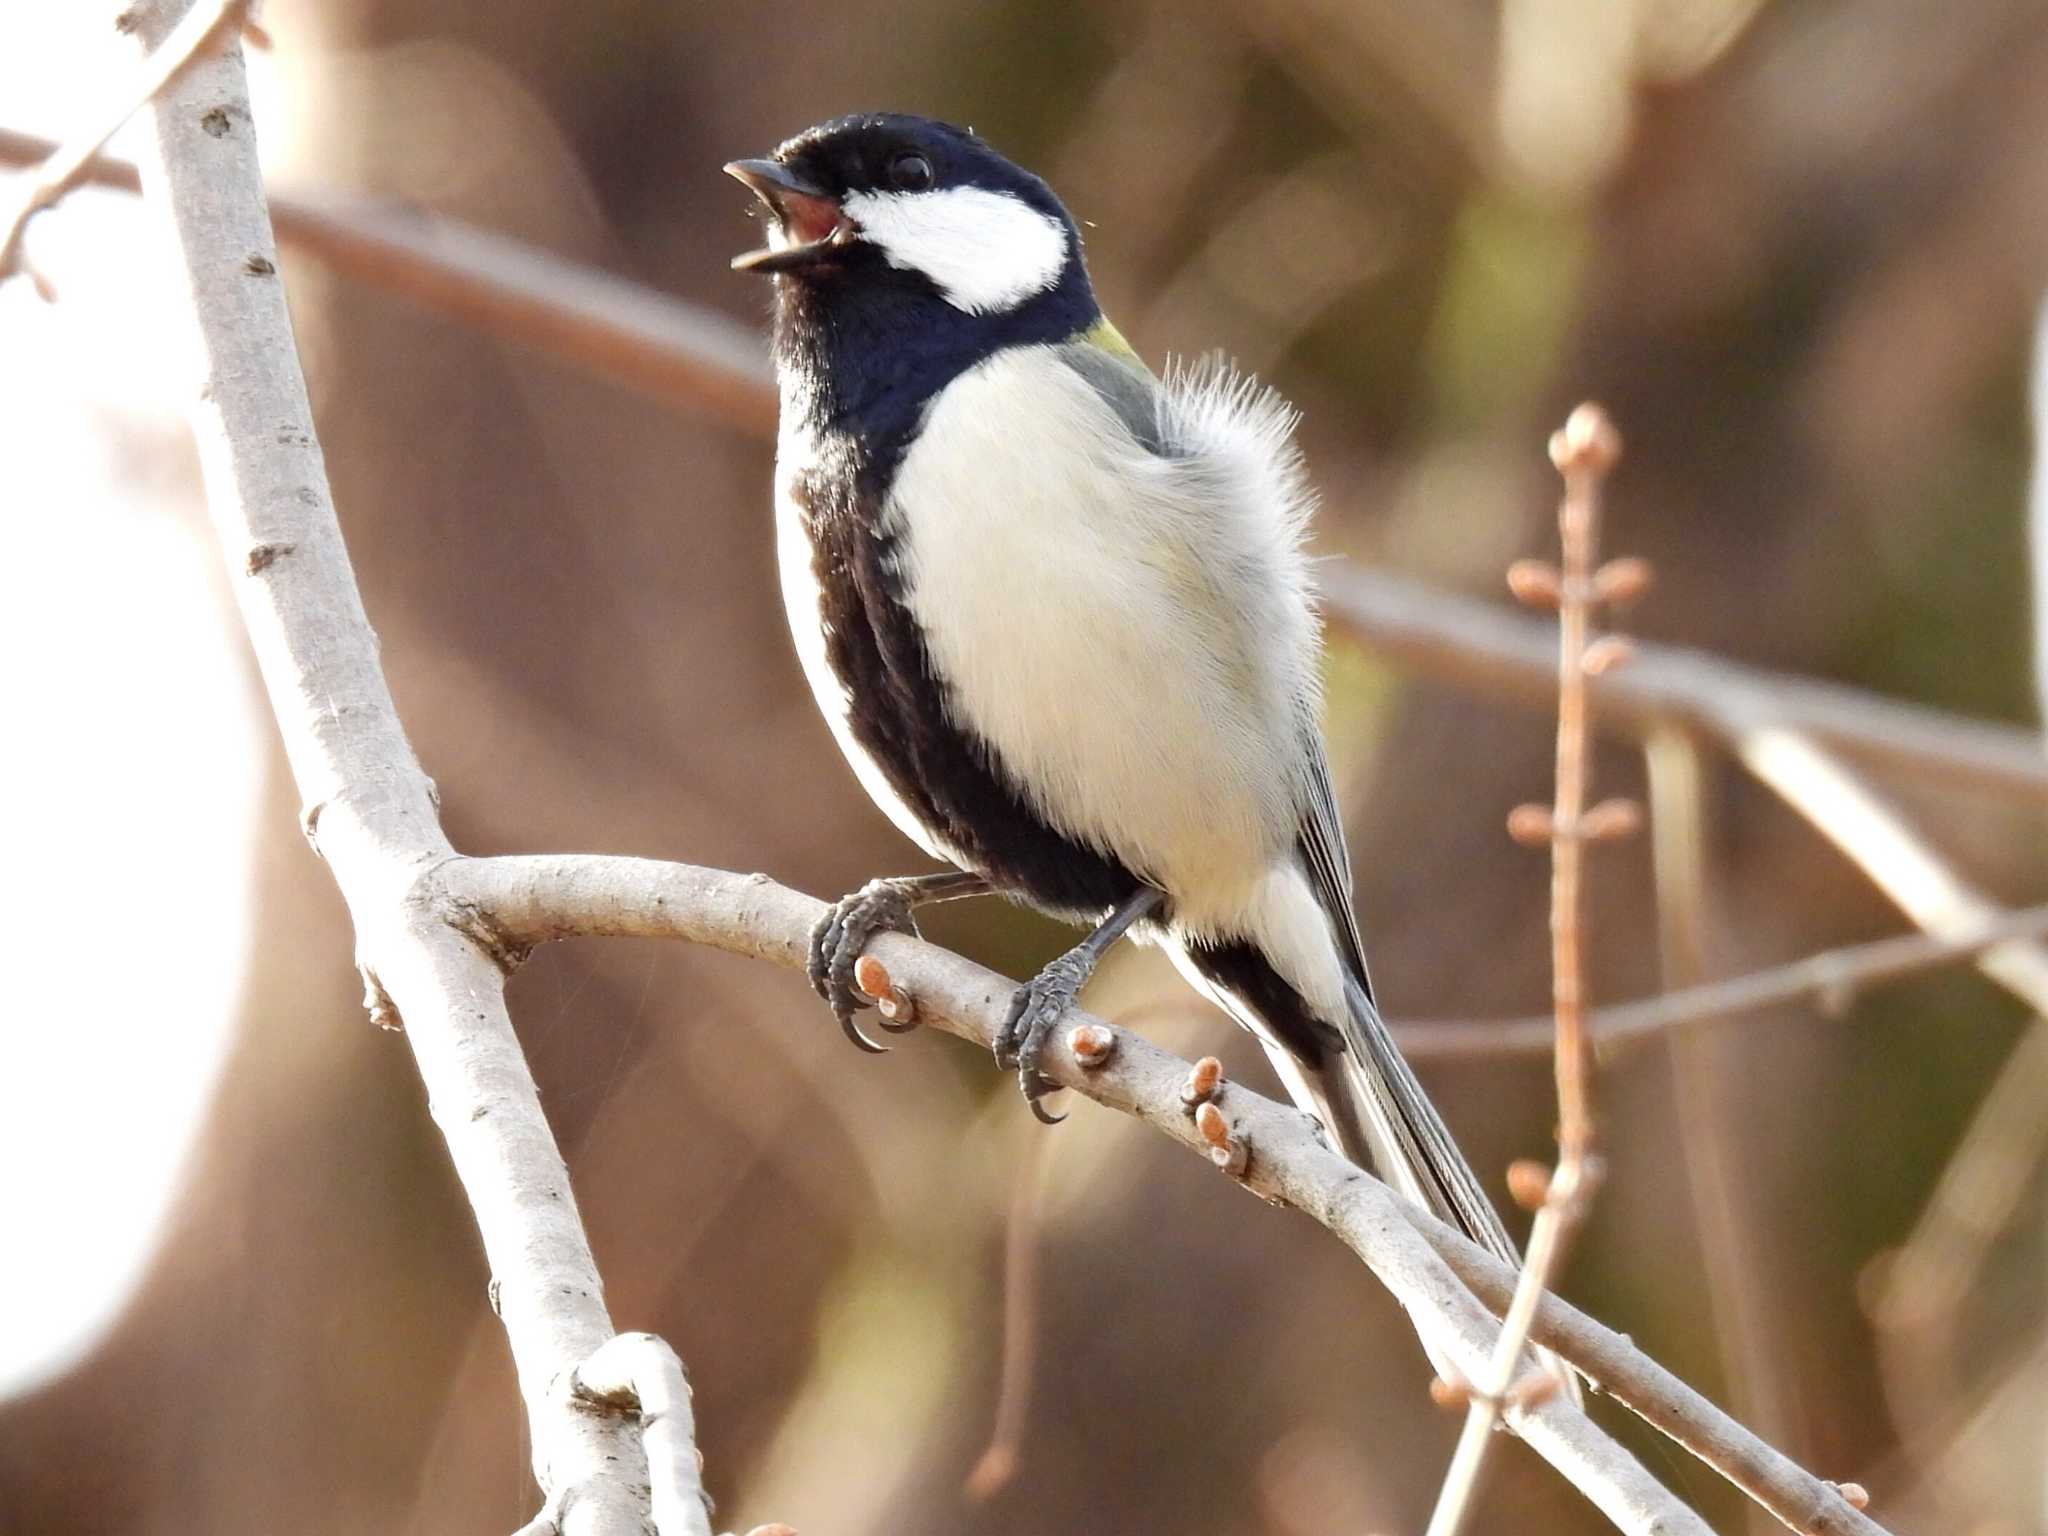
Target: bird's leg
{"x":1043,"y":1001}
{"x":880,"y":906}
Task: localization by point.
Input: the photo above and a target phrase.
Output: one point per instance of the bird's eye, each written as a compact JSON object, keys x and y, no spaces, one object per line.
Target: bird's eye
{"x":910,"y":172}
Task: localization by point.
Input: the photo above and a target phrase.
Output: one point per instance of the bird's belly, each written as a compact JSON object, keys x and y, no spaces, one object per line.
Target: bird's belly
{"x":1080,"y":633}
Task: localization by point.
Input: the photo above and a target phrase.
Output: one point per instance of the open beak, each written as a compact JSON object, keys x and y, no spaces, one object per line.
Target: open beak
{"x":809,"y":223}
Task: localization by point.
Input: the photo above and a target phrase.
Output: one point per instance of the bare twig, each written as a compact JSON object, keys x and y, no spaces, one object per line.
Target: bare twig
{"x":1832,"y":979}
{"x":46,"y":184}
{"x":370,"y":809}
{"x":1583,"y":452}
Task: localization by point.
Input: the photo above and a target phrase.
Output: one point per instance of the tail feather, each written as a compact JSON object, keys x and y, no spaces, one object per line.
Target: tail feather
{"x":1375,"y":1110}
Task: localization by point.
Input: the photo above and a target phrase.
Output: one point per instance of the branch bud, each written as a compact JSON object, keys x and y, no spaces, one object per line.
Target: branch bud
{"x":1605,"y":654}
{"x":1536,"y":583}
{"x":1611,"y":819}
{"x":1528,"y":1183}
{"x":1623,"y":580}
{"x":1202,"y":1083}
{"x":1530,"y":825}
{"x":872,"y":977}
{"x":1091,"y":1044}
{"x":1227,"y":1152}
{"x":1449,"y":1394}
{"x":1588,"y":443}
{"x":1855,"y":1495}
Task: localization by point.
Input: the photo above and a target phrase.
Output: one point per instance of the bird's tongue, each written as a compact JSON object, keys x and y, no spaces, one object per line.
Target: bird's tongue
{"x":806,"y":219}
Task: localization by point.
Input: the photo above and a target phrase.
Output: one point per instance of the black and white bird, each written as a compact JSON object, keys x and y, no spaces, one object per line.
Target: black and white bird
{"x":1057,"y":613}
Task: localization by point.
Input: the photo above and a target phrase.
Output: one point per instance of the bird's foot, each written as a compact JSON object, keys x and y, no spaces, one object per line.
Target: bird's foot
{"x":880,"y":906}
{"x":1035,"y":1011}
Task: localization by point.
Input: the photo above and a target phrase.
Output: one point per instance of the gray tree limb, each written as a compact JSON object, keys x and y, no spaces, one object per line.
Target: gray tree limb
{"x":369,"y":808}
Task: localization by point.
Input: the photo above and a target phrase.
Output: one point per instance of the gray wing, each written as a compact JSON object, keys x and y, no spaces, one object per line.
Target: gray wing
{"x":1327,"y":859}
{"x":1125,"y":385}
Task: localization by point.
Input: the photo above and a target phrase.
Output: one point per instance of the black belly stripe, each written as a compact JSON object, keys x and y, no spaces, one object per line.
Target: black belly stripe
{"x":898,"y":712}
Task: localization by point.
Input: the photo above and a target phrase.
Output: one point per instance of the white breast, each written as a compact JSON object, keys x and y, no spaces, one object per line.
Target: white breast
{"x":1131,"y":633}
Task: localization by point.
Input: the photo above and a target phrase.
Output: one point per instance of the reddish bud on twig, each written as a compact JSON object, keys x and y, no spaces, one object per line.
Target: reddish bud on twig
{"x":1623,"y":580}
{"x":773,"y":1530}
{"x":1449,"y":1394}
{"x":1530,"y":825}
{"x":1611,"y":819}
{"x":1535,"y":582}
{"x":1588,"y":443}
{"x":1225,"y":1151}
{"x":1091,"y":1044}
{"x":872,"y":977}
{"x":1855,"y":1495}
{"x":1528,"y":1183}
{"x":1605,"y":654}
{"x":1202,"y":1083}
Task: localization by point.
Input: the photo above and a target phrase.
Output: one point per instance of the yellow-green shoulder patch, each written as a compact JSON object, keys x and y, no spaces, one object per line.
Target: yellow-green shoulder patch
{"x":1106,"y":336}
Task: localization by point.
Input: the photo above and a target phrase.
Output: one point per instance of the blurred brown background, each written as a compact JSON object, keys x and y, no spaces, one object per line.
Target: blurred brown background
{"x":1797,"y":248}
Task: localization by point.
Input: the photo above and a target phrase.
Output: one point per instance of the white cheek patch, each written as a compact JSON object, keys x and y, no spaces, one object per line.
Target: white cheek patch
{"x":985,"y":250}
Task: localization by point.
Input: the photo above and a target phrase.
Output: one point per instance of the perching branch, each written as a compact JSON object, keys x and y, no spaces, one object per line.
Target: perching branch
{"x":533,"y":900}
{"x":369,"y":809}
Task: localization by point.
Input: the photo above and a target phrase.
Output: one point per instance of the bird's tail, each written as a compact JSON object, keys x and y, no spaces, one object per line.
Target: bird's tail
{"x":1375,"y":1110}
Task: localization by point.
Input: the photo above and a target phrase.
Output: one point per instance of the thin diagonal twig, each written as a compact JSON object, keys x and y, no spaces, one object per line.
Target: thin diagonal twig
{"x":46,"y":184}
{"x":1584,"y":452}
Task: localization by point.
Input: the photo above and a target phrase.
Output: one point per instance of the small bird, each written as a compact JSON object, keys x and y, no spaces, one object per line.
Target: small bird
{"x":1057,"y":614}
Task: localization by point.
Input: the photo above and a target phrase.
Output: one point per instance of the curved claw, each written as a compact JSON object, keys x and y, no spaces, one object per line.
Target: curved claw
{"x":852,"y":1031}
{"x":1035,"y":1011}
{"x":1043,"y":1115}
{"x":894,"y":1028}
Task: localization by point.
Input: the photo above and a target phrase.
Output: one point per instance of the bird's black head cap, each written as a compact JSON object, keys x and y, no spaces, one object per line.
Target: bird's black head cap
{"x":906,"y":251}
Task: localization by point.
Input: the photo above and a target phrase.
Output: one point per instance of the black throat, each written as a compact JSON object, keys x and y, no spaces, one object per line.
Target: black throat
{"x":865,"y":348}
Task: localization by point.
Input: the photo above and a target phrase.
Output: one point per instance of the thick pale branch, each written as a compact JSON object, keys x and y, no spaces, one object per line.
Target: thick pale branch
{"x":369,"y":807}
{"x":534,"y":899}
